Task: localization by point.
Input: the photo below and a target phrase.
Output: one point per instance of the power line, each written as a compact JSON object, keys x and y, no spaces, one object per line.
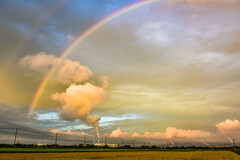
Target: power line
{"x":27,"y":130}
{"x":8,"y":128}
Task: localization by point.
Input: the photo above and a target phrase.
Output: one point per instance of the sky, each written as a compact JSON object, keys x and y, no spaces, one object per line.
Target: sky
{"x":168,"y":70}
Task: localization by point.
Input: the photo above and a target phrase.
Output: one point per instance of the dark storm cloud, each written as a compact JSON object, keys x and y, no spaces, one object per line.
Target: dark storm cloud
{"x":12,"y":117}
{"x":30,"y":129}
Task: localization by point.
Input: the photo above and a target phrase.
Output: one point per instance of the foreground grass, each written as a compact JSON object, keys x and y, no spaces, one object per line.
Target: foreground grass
{"x":146,"y":155}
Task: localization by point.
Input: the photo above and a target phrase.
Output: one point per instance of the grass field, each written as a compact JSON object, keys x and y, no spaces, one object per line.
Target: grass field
{"x":194,"y":155}
{"x":137,"y":155}
{"x":61,"y":150}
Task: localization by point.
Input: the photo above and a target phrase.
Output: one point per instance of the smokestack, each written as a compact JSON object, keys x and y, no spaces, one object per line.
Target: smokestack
{"x":233,"y":144}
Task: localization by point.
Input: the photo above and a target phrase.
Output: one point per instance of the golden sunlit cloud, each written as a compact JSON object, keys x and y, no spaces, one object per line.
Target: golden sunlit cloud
{"x":68,"y":71}
{"x":72,"y":133}
{"x":229,"y":127}
{"x":78,"y":102}
{"x":170,"y":132}
{"x":118,"y":133}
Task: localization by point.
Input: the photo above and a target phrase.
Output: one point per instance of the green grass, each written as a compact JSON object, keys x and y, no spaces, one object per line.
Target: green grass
{"x":237,"y":151}
{"x":60,"y":150}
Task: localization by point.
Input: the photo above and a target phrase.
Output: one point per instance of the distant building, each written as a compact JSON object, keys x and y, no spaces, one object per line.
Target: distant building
{"x":99,"y":144}
{"x":113,"y":145}
{"x":109,"y":145}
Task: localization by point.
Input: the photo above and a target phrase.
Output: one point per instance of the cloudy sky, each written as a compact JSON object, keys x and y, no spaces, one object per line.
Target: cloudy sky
{"x":166,"y":70}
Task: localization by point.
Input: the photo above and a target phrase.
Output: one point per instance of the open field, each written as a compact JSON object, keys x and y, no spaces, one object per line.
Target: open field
{"x":191,"y":155}
{"x":64,"y":150}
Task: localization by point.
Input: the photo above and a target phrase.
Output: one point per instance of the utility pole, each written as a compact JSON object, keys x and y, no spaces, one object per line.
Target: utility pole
{"x":233,"y":144}
{"x":15,"y":139}
{"x":56,"y":139}
{"x":122,"y":142}
{"x":142,"y":143}
{"x":105,"y":140}
{"x":84,"y":140}
{"x":133,"y":143}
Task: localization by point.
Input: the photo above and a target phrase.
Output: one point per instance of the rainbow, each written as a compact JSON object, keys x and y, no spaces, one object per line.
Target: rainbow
{"x":83,"y":36}
{"x":30,"y":35}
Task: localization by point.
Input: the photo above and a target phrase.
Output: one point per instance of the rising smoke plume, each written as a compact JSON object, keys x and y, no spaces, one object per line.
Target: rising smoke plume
{"x":78,"y":102}
{"x":205,"y":143}
{"x":172,"y":142}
